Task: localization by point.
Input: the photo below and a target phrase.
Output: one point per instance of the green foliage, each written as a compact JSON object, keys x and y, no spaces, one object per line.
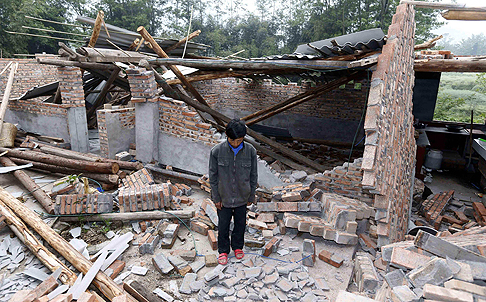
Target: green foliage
{"x":472,"y":46}
{"x":459,"y":93}
{"x":480,"y":83}
{"x":275,"y":27}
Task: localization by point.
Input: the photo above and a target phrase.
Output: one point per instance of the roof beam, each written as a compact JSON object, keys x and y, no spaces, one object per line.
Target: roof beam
{"x":448,"y":6}
{"x":448,"y":65}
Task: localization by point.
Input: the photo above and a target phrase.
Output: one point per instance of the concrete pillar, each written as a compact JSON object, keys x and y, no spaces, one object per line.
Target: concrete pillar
{"x":147,"y":130}
{"x":72,"y":94}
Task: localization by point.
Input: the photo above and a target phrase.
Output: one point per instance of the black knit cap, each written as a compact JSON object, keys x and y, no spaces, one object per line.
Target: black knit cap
{"x":236,"y":128}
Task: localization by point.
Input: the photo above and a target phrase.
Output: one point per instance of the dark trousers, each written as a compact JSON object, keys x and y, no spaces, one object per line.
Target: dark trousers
{"x":238,"y":234}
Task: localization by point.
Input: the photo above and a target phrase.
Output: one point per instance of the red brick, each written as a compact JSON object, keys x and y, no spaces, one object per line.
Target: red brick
{"x":212,"y":240}
{"x":327,"y":257}
{"x":269,"y":247}
{"x":287,"y":206}
{"x":199,"y":227}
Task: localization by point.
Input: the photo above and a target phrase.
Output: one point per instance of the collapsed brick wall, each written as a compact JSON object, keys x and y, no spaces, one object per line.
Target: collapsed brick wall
{"x":342,"y":103}
{"x":115,"y":125}
{"x":389,"y":155}
{"x":344,"y":180}
{"x":29,"y":74}
{"x":38,"y":108}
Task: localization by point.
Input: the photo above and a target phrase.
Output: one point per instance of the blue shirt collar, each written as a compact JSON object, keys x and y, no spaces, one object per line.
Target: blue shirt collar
{"x":237,"y":149}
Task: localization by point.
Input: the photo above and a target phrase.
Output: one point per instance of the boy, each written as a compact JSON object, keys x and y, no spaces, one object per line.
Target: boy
{"x":233,"y":177}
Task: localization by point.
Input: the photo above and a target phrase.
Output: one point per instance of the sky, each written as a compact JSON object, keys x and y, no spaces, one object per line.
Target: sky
{"x":458,"y":30}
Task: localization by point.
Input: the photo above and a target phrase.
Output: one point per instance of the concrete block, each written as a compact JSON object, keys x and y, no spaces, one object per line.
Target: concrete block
{"x":163,"y":295}
{"x":344,"y":296}
{"x":466,"y":287}
{"x":442,"y":248}
{"x":197,"y":265}
{"x":435,"y":272}
{"x":252,"y":272}
{"x":346,"y":238}
{"x":139,"y":270}
{"x":162,"y":264}
{"x":444,"y":294}
{"x":284,"y":285}
{"x":395,"y":278}
{"x":188,"y":255}
{"x":403,"y":294}
{"x":177,"y":262}
{"x":186,"y":283}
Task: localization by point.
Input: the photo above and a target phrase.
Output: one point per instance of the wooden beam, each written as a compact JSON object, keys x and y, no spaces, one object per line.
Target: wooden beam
{"x":216,"y":75}
{"x":160,"y":52}
{"x":80,"y":165}
{"x":104,"y":283}
{"x":105,"y":55}
{"x":83,"y":65}
{"x":254,"y":65}
{"x":6,"y":94}
{"x":149,"y":215}
{"x":444,"y":65}
{"x":428,"y":44}
{"x":30,"y":185}
{"x":438,"y":5}
{"x":96,"y":29}
{"x":37,"y":248}
{"x":183,"y":41}
{"x":464,"y":15}
{"x":101,"y":97}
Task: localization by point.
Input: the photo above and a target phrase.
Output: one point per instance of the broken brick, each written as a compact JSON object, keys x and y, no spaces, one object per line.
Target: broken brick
{"x":331,"y":258}
{"x":212,"y":240}
{"x":199,"y":227}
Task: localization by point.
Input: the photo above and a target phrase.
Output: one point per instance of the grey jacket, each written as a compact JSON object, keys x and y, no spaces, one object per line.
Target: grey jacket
{"x":233,"y":178}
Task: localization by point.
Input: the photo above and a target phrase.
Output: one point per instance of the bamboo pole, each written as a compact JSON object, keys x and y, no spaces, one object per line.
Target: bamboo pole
{"x":96,"y":29}
{"x":53,"y":31}
{"x":160,"y":52}
{"x":104,"y":283}
{"x":182,"y":41}
{"x":30,"y":185}
{"x":38,"y":249}
{"x":216,"y":75}
{"x":6,"y":94}
{"x":85,"y":166}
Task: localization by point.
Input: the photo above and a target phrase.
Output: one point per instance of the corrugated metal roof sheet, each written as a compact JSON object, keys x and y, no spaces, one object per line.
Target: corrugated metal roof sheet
{"x":367,"y":40}
{"x":124,"y":38}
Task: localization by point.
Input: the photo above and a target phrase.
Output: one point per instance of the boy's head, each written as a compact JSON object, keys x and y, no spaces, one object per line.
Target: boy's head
{"x":235,"y":131}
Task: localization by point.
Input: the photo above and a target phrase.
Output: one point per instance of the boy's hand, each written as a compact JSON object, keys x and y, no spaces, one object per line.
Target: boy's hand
{"x":218,"y":205}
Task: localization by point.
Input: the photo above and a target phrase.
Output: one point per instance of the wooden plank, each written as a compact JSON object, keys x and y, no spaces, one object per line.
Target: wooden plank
{"x":6,"y":94}
{"x":464,"y":15}
{"x":151,"y":215}
{"x":183,"y":41}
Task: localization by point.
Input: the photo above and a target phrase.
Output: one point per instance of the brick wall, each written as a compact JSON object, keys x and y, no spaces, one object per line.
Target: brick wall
{"x":389,"y":155}
{"x":177,"y":119}
{"x":28,"y":75}
{"x":71,"y":86}
{"x":116,"y":129}
{"x":344,"y":180}
{"x":342,"y":103}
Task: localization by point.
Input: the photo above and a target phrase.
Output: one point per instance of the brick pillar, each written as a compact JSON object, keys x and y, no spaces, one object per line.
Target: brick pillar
{"x":144,"y":89}
{"x":72,"y":94}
